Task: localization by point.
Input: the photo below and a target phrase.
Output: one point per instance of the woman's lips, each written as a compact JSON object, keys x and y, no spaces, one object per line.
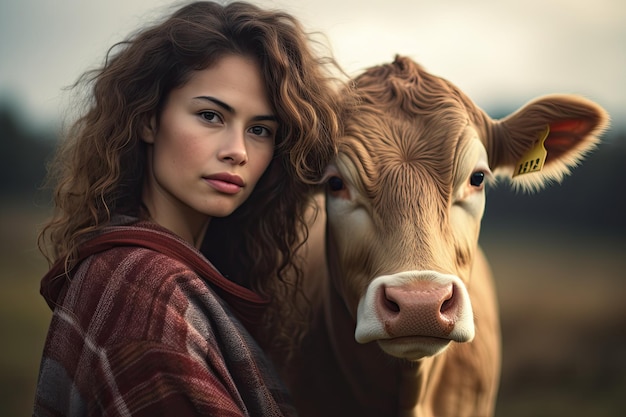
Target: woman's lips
{"x":225,"y":183}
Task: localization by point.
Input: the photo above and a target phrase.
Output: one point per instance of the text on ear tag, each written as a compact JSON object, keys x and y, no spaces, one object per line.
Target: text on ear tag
{"x":533,"y":160}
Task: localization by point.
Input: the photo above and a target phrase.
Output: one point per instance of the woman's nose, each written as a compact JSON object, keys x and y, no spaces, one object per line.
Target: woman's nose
{"x":233,"y":150}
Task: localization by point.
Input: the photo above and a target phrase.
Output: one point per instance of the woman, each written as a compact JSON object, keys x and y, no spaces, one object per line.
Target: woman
{"x":212,"y":126}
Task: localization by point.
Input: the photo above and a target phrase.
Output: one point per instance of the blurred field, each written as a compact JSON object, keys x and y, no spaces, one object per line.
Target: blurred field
{"x":24,"y":315}
{"x":562,"y":297}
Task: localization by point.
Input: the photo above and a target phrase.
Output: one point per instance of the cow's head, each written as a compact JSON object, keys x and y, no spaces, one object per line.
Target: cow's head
{"x":406,"y":195}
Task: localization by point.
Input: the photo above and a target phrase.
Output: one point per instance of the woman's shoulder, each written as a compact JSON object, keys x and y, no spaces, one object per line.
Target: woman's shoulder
{"x":133,"y":266}
{"x":140,"y":260}
{"x":131,"y":292}
{"x":124,"y":254}
{"x":146,"y":271}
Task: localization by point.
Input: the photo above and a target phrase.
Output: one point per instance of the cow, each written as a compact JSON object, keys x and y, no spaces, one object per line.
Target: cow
{"x":405,"y":317}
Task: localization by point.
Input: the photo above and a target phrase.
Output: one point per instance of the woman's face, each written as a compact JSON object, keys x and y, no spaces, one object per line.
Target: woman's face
{"x":212,"y":142}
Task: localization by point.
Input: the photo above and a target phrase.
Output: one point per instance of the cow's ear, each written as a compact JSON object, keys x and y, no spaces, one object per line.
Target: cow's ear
{"x":545,"y":139}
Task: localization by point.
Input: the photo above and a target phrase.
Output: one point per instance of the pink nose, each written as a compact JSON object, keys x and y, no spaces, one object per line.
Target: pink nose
{"x":418,"y":308}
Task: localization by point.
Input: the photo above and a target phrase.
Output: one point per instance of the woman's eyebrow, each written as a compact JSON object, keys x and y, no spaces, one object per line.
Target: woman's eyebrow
{"x":220,"y":103}
{"x":216,"y":101}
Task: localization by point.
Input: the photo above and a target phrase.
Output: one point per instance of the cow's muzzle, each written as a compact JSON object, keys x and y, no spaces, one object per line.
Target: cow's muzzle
{"x":413,"y":314}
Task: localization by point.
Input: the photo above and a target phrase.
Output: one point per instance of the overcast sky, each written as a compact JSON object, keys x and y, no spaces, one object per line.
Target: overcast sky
{"x":499,"y":52}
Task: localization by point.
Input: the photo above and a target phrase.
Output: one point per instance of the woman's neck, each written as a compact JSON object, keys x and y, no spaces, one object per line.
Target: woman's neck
{"x":190,"y":227}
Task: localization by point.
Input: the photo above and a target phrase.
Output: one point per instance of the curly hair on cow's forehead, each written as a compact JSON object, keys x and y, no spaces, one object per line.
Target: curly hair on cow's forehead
{"x":405,"y":118}
{"x":99,"y":167}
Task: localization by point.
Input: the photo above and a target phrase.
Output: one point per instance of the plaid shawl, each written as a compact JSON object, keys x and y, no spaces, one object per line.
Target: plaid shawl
{"x":144,"y":325}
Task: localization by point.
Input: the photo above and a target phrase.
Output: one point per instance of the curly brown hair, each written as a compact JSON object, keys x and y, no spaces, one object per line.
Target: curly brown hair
{"x":99,"y":168}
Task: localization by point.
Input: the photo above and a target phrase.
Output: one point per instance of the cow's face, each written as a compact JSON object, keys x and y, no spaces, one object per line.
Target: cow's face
{"x":405,"y":197}
{"x":404,"y":205}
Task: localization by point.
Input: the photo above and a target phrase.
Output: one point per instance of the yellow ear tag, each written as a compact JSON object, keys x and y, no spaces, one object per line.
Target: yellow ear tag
{"x":533,"y":160}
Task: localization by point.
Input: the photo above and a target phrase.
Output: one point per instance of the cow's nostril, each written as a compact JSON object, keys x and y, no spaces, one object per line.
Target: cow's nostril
{"x":387,"y":301}
{"x":448,"y":303}
{"x":391,"y":305}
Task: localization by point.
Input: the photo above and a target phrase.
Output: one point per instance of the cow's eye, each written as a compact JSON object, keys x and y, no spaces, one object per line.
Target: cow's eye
{"x":477,"y":178}
{"x":335,"y":184}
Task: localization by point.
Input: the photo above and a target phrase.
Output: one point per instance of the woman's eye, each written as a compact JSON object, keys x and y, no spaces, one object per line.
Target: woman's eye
{"x":335,"y":184}
{"x":260,"y":131}
{"x":210,"y":116}
{"x":477,"y":178}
